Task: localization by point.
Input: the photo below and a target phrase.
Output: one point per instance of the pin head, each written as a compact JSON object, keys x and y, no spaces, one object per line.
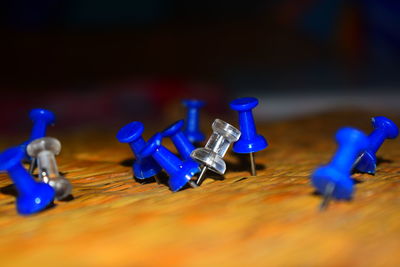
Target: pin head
{"x":62,"y":187}
{"x":42,"y":114}
{"x":244,"y":103}
{"x":188,"y":170}
{"x":173,"y":129}
{"x":193,"y":103}
{"x":244,"y":146}
{"x":366,"y":163}
{"x":209,"y":158}
{"x":329,"y":175}
{"x":130,"y":132}
{"x":390,"y":128}
{"x":11,"y":157}
{"x":42,"y":195}
{"x":46,"y":143}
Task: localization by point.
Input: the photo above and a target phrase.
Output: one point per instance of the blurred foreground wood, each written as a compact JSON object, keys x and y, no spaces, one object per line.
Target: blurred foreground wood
{"x":268,"y":220}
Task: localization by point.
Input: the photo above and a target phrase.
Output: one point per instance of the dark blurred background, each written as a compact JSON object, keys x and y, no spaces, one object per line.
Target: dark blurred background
{"x":105,"y":61}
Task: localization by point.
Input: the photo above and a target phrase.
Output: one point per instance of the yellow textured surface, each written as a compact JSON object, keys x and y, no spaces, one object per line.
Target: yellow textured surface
{"x":268,"y":220}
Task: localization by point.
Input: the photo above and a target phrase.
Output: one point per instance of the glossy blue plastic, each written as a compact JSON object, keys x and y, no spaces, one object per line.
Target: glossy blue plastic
{"x":249,"y":141}
{"x":338,"y":172}
{"x":383,"y":129}
{"x":32,"y":196}
{"x":143,"y":167}
{"x":192,"y":128}
{"x":180,"y":172}
{"x":41,"y":118}
{"x":180,"y":140}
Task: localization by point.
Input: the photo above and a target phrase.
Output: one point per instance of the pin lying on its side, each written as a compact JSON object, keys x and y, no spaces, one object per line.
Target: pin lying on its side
{"x":334,"y":179}
{"x":249,"y":142}
{"x":143,"y":167}
{"x":32,"y":196}
{"x":383,"y":129}
{"x":180,"y":172}
{"x":211,"y":156}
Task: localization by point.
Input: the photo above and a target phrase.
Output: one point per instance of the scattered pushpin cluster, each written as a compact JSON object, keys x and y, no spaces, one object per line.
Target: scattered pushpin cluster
{"x":356,"y":152}
{"x":151,"y":156}
{"x":34,"y":196}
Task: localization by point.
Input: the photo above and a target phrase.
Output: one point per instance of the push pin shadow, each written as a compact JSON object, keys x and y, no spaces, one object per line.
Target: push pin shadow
{"x":211,"y":156}
{"x":334,"y":179}
{"x":180,"y":172}
{"x":249,"y":142}
{"x":44,"y":151}
{"x":32,"y":196}
{"x":383,"y":129}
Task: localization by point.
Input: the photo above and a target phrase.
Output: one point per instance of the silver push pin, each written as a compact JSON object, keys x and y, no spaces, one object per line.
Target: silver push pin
{"x":44,"y":150}
{"x":210,"y":156}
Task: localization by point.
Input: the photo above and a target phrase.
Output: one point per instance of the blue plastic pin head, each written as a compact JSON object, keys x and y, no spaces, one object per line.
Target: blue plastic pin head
{"x":334,"y":179}
{"x":249,"y":142}
{"x":143,"y":167}
{"x":32,"y":196}
{"x":383,"y":129}
{"x":180,"y":172}
{"x":41,"y":119}
{"x":180,"y":140}
{"x":192,"y":123}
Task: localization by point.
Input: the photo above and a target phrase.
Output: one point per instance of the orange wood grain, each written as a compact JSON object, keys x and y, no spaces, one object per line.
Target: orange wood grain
{"x":268,"y":220}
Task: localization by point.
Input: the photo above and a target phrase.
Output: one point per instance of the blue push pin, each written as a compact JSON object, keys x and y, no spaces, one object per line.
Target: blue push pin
{"x":41,"y":118}
{"x":143,"y":167}
{"x":180,"y":172}
{"x":32,"y":196}
{"x":383,"y":129}
{"x":249,"y":142}
{"x":180,"y":140}
{"x":192,"y":128}
{"x":334,"y":179}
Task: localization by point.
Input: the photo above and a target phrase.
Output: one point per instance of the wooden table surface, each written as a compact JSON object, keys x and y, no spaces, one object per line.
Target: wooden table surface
{"x":268,"y":220}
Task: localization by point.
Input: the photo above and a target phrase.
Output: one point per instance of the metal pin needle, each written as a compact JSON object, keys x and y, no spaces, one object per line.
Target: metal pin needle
{"x":32,"y":165}
{"x":200,"y":179}
{"x":253,"y":165}
{"x":330,"y":187}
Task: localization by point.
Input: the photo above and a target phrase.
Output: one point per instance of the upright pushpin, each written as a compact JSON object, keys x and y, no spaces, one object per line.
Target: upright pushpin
{"x":383,"y":129}
{"x":180,"y":172}
{"x":180,"y":140}
{"x":32,"y":196}
{"x":44,"y":151}
{"x":192,"y":123}
{"x":211,"y":156}
{"x":249,"y":142}
{"x":143,"y":167}
{"x":334,"y":179}
{"x":41,"y":118}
